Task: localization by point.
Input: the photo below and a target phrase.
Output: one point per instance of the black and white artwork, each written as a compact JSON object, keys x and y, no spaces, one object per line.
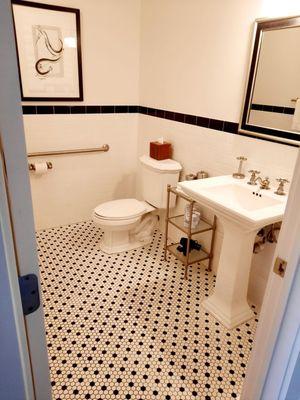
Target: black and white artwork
{"x":48,"y":49}
{"x":49,"y":53}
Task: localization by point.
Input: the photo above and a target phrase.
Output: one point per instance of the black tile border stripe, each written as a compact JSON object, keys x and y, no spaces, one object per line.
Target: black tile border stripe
{"x":204,"y":122}
{"x":92,"y":109}
{"x":275,"y":109}
{"x":216,"y":124}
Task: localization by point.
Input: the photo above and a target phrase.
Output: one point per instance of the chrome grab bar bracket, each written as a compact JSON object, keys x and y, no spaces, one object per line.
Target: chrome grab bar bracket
{"x":32,"y":166}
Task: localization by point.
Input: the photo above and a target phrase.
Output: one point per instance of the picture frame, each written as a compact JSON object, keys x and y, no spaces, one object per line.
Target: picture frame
{"x":48,"y":46}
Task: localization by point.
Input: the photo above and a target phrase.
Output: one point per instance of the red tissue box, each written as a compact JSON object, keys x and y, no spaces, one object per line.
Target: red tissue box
{"x":160,"y":151}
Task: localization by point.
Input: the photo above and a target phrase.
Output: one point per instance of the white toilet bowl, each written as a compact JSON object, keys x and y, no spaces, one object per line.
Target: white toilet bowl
{"x":127,"y":224}
{"x":130,"y":223}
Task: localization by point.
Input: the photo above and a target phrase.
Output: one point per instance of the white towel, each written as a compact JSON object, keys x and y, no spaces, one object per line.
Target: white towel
{"x":296,"y":118}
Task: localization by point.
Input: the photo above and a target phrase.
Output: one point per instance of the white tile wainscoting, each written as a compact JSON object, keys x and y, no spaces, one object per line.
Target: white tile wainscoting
{"x":78,"y":183}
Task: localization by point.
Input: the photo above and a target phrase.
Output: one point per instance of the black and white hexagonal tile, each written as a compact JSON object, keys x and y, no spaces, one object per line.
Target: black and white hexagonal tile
{"x":129,"y":326}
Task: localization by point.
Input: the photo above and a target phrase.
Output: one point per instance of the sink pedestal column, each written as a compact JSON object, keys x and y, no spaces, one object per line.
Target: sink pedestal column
{"x":229,"y":301}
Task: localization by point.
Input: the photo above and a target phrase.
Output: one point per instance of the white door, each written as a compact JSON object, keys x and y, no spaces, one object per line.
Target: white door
{"x":277,"y":339}
{"x":18,"y":236}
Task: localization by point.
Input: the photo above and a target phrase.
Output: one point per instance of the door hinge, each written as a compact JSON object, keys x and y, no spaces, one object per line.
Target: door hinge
{"x":29,"y":289}
{"x":280,"y":267}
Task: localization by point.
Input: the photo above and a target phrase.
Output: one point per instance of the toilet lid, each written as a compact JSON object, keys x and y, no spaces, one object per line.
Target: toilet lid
{"x":120,"y":209}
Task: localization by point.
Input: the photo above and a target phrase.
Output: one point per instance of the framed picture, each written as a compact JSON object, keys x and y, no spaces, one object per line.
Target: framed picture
{"x":49,"y":51}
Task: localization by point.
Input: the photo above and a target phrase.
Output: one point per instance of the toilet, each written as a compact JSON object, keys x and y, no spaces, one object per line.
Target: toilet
{"x":129,"y":223}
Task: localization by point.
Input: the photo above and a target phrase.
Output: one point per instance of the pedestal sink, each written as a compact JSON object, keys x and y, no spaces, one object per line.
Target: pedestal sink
{"x":243,"y":210}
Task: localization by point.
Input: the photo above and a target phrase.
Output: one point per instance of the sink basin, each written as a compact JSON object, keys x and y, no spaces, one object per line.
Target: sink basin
{"x":242,"y":210}
{"x":243,"y":203}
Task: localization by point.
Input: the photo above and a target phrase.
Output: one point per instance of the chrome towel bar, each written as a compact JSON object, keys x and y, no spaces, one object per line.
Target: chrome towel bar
{"x":103,"y":148}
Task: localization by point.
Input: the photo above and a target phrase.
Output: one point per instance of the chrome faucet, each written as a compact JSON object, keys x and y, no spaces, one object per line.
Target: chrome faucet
{"x":280,"y":190}
{"x":264,"y":183}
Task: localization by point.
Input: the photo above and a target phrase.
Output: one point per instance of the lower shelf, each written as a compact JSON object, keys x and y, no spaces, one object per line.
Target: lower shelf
{"x":194,"y":256}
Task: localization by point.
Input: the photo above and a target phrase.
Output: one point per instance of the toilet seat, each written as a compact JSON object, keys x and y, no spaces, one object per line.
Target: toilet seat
{"x":119,"y":210}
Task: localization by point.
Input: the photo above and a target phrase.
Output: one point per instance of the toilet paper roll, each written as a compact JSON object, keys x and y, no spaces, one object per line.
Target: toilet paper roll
{"x":40,"y":168}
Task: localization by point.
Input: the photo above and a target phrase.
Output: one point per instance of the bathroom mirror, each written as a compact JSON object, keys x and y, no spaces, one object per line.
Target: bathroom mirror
{"x":272,"y":99}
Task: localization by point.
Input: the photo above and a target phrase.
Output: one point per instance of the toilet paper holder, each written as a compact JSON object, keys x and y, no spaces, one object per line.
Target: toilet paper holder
{"x":31,"y":166}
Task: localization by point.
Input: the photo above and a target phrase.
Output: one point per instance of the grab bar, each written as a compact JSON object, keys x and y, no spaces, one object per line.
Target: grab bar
{"x":104,"y":148}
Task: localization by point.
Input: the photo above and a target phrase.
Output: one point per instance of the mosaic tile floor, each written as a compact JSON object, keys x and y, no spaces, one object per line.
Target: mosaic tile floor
{"x":128,"y":326}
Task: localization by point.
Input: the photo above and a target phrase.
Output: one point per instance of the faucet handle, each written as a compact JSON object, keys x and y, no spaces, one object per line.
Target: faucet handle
{"x":242,"y":158}
{"x":254,"y":171}
{"x":280,"y":190}
{"x":282,"y":180}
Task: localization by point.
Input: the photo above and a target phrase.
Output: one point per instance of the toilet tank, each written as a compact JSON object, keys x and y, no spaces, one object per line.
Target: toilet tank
{"x":156,"y":176}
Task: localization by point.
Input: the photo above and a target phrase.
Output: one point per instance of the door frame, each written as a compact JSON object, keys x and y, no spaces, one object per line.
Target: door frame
{"x":17,"y":225}
{"x":15,"y":364}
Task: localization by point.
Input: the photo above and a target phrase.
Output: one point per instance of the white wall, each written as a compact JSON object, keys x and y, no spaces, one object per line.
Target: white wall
{"x":194,"y":60}
{"x":110,"y":33}
{"x":194,"y":55}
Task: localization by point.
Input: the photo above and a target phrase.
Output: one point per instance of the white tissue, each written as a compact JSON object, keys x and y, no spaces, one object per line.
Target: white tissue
{"x":160,"y":140}
{"x":40,"y":168}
